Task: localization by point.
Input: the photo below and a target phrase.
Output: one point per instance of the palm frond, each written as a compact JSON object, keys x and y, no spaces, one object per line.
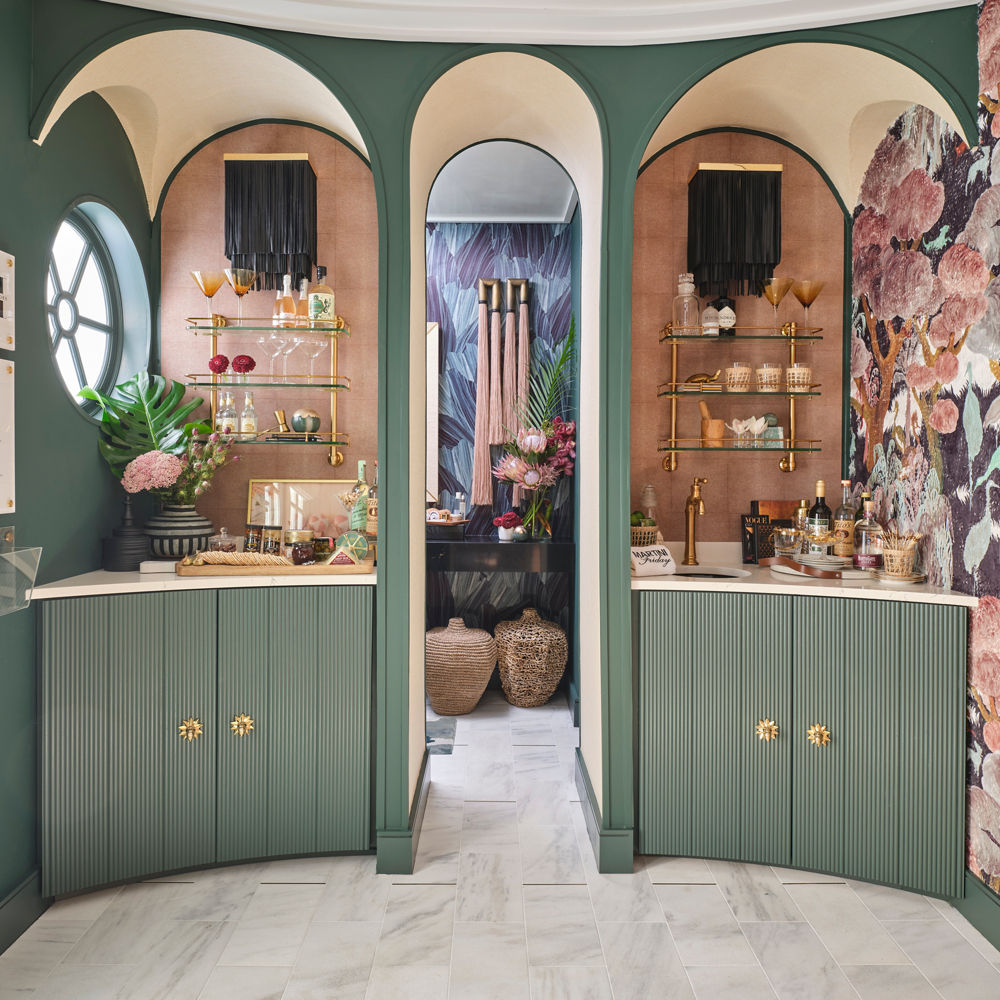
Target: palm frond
{"x":549,"y":383}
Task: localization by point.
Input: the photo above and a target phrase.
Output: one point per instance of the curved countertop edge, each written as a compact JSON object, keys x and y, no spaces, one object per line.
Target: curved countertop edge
{"x":762,"y":581}
{"x":101,"y":582}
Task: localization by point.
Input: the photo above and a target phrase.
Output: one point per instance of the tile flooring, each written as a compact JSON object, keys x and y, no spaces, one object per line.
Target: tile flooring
{"x":505,"y":902}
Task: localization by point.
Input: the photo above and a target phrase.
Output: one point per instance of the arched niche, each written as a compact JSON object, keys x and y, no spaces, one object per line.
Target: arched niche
{"x":173,"y":89}
{"x":517,"y":96}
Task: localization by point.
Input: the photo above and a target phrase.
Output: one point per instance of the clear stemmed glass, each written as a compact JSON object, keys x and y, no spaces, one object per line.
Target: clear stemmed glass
{"x":209,"y":282}
{"x":313,"y":347}
{"x":806,"y":292}
{"x":289,"y":348}
{"x":241,"y":280}
{"x":272,"y":345}
{"x":775,"y":290}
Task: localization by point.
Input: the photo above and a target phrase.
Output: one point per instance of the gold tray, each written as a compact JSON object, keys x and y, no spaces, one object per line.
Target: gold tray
{"x":315,"y":569}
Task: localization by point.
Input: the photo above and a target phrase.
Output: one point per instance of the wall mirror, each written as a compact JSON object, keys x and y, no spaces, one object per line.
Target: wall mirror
{"x":300,"y":503}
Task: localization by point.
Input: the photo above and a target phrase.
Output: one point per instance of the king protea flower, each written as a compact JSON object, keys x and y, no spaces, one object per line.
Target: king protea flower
{"x":517,"y":470}
{"x":532,"y":440}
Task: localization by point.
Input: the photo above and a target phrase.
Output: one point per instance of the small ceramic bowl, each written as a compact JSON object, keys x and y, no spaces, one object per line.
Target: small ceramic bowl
{"x":305,"y":421}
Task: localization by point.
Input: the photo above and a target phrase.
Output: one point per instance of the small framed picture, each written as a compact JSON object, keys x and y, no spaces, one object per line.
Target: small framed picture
{"x":6,"y":301}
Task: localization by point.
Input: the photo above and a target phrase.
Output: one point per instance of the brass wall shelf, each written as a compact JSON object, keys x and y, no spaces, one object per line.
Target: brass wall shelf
{"x":785,"y":394}
{"x":204,"y":327}
{"x":671,"y":445}
{"x":325,"y":440}
{"x":789,"y":331}
{"x":218,"y":383}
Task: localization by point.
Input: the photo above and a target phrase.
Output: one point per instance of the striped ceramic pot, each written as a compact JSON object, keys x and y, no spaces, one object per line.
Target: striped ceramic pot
{"x":177,"y":531}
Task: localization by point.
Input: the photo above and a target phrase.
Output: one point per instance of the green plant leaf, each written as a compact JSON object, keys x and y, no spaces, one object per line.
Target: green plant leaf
{"x":143,"y":414}
{"x":548,"y":383}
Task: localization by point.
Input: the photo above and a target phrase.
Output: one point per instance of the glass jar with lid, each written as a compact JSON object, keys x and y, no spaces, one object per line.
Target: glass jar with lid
{"x":686,"y":308}
{"x":222,"y":542}
{"x":299,"y":547}
{"x":270,"y":543}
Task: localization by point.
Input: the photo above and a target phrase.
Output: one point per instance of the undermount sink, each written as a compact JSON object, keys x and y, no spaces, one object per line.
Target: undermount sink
{"x":711,"y":572}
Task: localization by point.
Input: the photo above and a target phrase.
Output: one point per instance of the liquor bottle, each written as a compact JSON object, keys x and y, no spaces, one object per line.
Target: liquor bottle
{"x":843,"y":523}
{"x":359,"y":512}
{"x":727,"y":316}
{"x":802,"y":525}
{"x":710,"y":321}
{"x":321,"y":314}
{"x":686,"y":309}
{"x":225,"y":416}
{"x":868,"y":540}
{"x":302,"y":306}
{"x":860,"y":512}
{"x":819,"y":521}
{"x":287,"y":302}
{"x":248,"y":419}
{"x":371,"y":527}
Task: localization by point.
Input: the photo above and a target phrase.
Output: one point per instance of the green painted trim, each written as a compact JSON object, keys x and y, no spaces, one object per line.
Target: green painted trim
{"x":981,"y":908}
{"x":21,"y":909}
{"x":614,"y":850}
{"x":396,"y":849}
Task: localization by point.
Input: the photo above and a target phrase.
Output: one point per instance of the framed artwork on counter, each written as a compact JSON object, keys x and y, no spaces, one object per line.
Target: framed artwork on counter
{"x":6,"y":437}
{"x":314,"y":504}
{"x":6,"y":301}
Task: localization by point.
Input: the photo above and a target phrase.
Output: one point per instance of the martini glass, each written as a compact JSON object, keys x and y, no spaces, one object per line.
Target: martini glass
{"x":209,"y":282}
{"x":289,"y":348}
{"x":272,"y":345}
{"x":806,"y":292}
{"x":312,"y":348}
{"x":241,"y":280}
{"x":775,"y":290}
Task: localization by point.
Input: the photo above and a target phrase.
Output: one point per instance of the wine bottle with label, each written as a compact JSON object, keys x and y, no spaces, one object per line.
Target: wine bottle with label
{"x":818,"y":525}
{"x":359,"y":512}
{"x":843,"y":523}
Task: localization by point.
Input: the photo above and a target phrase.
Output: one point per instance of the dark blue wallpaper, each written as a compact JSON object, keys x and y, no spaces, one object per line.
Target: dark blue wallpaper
{"x":458,"y":255}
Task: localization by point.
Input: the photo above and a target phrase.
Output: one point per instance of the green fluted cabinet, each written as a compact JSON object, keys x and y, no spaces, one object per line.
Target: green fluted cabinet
{"x":881,"y":799}
{"x":124,"y":795}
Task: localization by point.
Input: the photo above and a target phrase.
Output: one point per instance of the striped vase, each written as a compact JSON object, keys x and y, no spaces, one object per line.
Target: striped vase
{"x":177,"y":531}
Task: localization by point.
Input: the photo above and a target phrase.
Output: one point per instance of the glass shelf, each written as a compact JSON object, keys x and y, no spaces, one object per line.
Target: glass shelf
{"x":341,"y":440}
{"x":731,"y":444}
{"x":202,"y":326}
{"x":667,"y":338}
{"x":205,"y":381}
{"x":683,"y":393}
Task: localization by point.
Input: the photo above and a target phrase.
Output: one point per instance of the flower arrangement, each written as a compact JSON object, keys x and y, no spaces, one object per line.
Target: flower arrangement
{"x":218,"y":364}
{"x":243,"y":364}
{"x":509,"y":521}
{"x":179,"y":480}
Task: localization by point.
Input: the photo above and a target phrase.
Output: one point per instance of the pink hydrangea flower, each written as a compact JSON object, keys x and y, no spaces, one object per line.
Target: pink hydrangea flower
{"x":151,"y":471}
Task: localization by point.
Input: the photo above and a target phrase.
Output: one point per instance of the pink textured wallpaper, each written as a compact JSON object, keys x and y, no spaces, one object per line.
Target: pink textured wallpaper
{"x":192,"y":238}
{"x":812,"y":248}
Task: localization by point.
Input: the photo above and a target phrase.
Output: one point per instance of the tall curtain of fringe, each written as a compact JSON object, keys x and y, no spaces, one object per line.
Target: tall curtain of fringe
{"x":482,"y":476}
{"x":523,"y":364}
{"x":497,"y":435}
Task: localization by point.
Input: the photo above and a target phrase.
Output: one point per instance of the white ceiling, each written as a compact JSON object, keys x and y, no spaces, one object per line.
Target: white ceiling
{"x":583,"y":22}
{"x":501,"y":182}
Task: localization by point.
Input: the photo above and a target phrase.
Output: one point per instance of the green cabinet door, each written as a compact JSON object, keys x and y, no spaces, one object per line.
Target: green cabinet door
{"x":122,"y":794}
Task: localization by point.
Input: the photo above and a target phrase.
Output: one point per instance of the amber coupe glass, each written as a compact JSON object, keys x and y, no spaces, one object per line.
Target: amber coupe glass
{"x":775,"y":290}
{"x":806,"y":292}
{"x":209,"y":282}
{"x":241,"y":280}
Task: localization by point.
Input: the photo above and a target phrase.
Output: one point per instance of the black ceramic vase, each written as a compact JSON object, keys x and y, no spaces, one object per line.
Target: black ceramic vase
{"x":127,"y":546}
{"x":178,"y":531}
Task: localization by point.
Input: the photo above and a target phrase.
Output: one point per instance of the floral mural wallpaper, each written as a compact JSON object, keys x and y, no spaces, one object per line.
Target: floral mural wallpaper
{"x":925,"y":395}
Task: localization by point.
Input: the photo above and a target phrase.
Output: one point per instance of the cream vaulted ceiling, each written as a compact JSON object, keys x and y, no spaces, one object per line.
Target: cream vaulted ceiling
{"x":173,"y":89}
{"x":583,"y":22}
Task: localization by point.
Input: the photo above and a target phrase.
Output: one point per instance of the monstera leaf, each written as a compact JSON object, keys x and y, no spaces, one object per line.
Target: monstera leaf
{"x":143,"y":414}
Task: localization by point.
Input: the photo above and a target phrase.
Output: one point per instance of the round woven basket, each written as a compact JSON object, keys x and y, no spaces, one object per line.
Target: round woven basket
{"x":532,"y":655}
{"x":644,"y":535}
{"x":459,"y":662}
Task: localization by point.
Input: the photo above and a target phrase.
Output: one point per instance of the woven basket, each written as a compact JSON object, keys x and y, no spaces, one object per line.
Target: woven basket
{"x":459,"y":662}
{"x":899,"y":553}
{"x":645,"y":535}
{"x":798,"y":379}
{"x":532,"y":655}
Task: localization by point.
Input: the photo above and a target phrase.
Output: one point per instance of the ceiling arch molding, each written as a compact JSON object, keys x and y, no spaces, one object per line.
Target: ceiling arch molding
{"x":157,"y":82}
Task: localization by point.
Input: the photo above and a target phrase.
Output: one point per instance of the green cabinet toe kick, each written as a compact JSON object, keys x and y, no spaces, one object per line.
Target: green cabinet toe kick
{"x":818,"y":733}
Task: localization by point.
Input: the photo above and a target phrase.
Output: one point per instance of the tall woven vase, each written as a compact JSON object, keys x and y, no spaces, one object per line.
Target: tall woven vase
{"x":459,"y":662}
{"x":533,"y":655}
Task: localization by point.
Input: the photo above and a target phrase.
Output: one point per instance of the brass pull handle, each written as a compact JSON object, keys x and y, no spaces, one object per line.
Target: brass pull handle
{"x":190,"y":729}
{"x":241,"y":725}
{"x":766,"y":730}
{"x":818,"y":735}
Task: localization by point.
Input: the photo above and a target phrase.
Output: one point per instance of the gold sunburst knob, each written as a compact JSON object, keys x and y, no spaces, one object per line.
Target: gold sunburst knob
{"x":190,"y":729}
{"x":766,"y":730}
{"x":818,"y":736}
{"x":241,"y":725}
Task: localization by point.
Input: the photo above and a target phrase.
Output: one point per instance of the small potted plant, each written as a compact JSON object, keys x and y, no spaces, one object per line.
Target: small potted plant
{"x":506,"y":523}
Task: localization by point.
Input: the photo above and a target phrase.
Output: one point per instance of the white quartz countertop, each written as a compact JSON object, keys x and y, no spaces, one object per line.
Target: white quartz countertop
{"x":101,"y":582}
{"x":762,"y":580}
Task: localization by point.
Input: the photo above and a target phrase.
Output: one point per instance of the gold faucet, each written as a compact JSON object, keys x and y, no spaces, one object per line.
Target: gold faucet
{"x":694,"y":506}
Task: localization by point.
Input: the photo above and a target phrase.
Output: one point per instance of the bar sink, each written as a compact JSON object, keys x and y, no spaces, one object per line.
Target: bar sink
{"x":711,"y":572}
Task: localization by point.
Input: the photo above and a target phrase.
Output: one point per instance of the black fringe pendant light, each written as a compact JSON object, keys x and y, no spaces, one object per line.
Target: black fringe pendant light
{"x":271,"y":215}
{"x":734,"y":226}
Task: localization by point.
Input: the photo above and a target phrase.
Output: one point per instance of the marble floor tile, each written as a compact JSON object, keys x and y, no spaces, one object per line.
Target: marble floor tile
{"x":489,"y":780}
{"x":550,"y":854}
{"x":221,"y":895}
{"x":86,"y":907}
{"x":417,"y":926}
{"x":678,"y":870}
{"x":239,"y":982}
{"x":180,"y":963}
{"x":489,"y":888}
{"x":622,"y":898}
{"x":489,"y":962}
{"x":753,"y":892}
{"x":792,"y":876}
{"x":984,"y":947}
{"x":890,"y":982}
{"x":308,"y":870}
{"x":543,"y":803}
{"x":334,"y":962}
{"x":281,"y":905}
{"x":560,"y":925}
{"x":570,"y":983}
{"x":796,"y":963}
{"x":436,"y":862}
{"x":846,"y":926}
{"x":129,"y":927}
{"x":412,"y":982}
{"x":27,"y":963}
{"x":893,"y":904}
{"x":353,"y":891}
{"x":538,"y":763}
{"x":528,"y":732}
{"x":264,"y":945}
{"x":56,"y":930}
{"x":92,"y":982}
{"x":490,"y":827}
{"x":949,"y":962}
{"x":703,"y":926}
{"x":642,"y":962}
{"x":725,"y":982}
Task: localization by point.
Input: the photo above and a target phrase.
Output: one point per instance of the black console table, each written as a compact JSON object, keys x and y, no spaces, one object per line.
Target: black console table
{"x":487,"y":555}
